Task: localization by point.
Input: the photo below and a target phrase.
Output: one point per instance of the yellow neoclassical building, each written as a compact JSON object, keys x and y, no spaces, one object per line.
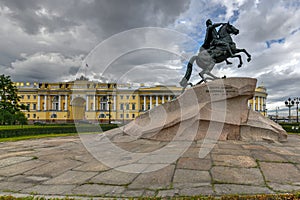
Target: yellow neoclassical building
{"x":86,"y":100}
{"x":259,"y":101}
{"x":82,"y":99}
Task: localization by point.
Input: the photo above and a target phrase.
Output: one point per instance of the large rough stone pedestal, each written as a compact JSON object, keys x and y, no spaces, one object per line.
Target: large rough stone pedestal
{"x":216,"y":110}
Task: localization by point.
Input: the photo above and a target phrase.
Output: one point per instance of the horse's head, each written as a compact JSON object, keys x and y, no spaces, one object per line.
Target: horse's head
{"x":231,"y":29}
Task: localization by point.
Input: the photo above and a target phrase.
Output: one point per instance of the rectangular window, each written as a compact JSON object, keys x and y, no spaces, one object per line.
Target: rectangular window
{"x":103,"y":99}
{"x":28,"y":115}
{"x":34,"y":106}
{"x":148,"y":106}
{"x":28,"y":106}
{"x":28,"y":96}
{"x":121,"y":96}
{"x":34,"y":115}
{"x":34,"y":96}
{"x":121,"y":106}
{"x":133,"y":106}
{"x":127,"y":97}
{"x":127,"y":106}
{"x":102,"y":106}
{"x":55,"y":106}
{"x":22,"y":96}
{"x":127,"y":116}
{"x":133,"y":97}
{"x":133,"y":115}
{"x":121,"y":115}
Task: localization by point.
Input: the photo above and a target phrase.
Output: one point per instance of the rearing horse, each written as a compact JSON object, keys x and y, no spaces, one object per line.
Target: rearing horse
{"x":206,"y":59}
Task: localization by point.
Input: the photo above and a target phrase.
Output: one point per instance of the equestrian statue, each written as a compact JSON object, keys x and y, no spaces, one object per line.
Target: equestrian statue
{"x":216,"y":48}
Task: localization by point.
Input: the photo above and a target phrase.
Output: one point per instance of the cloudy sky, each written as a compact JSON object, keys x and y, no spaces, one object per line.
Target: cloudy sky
{"x":143,"y":41}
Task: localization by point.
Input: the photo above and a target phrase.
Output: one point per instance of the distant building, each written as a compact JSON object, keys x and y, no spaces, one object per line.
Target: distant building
{"x":87,"y":100}
{"x":82,"y":99}
{"x":258,"y":102}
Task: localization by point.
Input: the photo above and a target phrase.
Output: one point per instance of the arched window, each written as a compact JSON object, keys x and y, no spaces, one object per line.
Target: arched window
{"x":102,"y":115}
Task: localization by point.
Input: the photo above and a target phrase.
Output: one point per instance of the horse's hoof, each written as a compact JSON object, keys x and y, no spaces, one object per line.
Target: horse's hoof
{"x":249,"y":59}
{"x":239,"y":66}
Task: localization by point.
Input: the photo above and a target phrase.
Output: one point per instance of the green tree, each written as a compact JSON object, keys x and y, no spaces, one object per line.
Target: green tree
{"x":10,"y":102}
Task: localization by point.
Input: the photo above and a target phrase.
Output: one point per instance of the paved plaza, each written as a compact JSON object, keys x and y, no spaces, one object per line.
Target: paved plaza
{"x":63,"y":166}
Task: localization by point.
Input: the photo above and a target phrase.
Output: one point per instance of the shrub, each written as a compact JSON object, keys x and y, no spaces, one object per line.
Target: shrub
{"x":14,"y":131}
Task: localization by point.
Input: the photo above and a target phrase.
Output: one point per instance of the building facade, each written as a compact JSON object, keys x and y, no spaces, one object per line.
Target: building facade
{"x":91,"y":101}
{"x":67,"y":102}
{"x":259,"y":101}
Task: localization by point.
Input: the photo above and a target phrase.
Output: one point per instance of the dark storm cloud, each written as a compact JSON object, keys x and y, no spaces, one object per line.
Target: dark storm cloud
{"x":69,"y":28}
{"x":107,"y":17}
{"x":32,"y":16}
{"x":73,"y":70}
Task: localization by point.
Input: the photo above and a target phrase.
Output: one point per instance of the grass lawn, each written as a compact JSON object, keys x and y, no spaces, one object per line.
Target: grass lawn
{"x":18,"y":132}
{"x":224,"y":197}
{"x":12,"y":139}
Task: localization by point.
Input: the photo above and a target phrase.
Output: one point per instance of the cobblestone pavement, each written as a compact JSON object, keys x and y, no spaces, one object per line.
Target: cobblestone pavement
{"x":62,"y":166}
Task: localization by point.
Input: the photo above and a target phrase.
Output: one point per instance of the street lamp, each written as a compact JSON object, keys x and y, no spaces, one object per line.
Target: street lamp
{"x":289,"y":103}
{"x":277,"y":109}
{"x":109,"y":117}
{"x":297,"y":100}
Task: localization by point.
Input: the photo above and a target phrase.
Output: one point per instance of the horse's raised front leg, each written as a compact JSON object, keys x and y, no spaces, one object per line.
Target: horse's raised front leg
{"x":240,"y":58}
{"x":228,"y":62}
{"x":244,"y":51}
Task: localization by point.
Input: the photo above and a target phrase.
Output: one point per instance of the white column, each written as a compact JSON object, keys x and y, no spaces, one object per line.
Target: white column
{"x":39,"y":102}
{"x":156,"y":100}
{"x":115,"y":102}
{"x":150,"y":102}
{"x":145,"y":103}
{"x":254,"y":103}
{"x":163,"y":99}
{"x":66,"y":102}
{"x":94,"y":105}
{"x":45,"y":102}
{"x":169,"y":98}
{"x":259,"y":104}
{"x":87,"y":103}
{"x":59,"y":102}
{"x":107,"y":105}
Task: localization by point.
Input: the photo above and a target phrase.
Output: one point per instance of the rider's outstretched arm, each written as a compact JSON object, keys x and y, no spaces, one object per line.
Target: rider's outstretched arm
{"x":217,"y":24}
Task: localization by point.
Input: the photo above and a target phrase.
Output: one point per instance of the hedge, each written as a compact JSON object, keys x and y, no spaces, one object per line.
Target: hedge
{"x":291,"y":127}
{"x":15,"y":132}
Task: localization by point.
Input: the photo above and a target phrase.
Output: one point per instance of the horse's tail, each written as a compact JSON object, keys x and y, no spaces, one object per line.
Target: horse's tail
{"x":188,"y":73}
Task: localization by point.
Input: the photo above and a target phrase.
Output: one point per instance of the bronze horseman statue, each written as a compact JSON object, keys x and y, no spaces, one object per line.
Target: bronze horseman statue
{"x":216,"y":48}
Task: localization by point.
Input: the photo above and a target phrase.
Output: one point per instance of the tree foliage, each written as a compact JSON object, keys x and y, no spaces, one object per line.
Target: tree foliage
{"x":10,"y":108}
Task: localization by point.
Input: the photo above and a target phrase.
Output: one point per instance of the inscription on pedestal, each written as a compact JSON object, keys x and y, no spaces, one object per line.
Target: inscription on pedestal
{"x":221,"y":90}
